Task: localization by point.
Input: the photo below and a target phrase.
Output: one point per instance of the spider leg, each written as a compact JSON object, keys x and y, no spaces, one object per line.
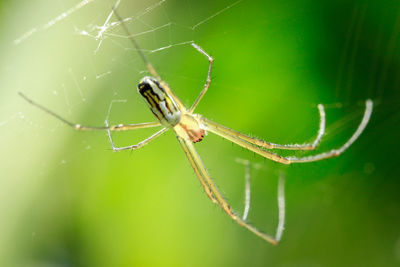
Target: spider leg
{"x":247,"y":191}
{"x":224,"y":132}
{"x":146,"y":61}
{"x":202,"y":173}
{"x":268,"y":145}
{"x":309,"y":146}
{"x":197,"y":171}
{"x":281,"y":205}
{"x":79,"y":127}
{"x":338,"y":151}
{"x":221,"y":131}
{"x":149,"y":66}
{"x":208,"y":81}
{"x":281,"y":198}
{"x":138,"y":145}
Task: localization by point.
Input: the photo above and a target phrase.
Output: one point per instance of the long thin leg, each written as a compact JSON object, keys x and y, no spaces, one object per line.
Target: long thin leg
{"x":201,"y":171}
{"x":149,"y":66}
{"x":281,"y":205}
{"x":338,"y":151}
{"x":138,"y":145}
{"x":268,"y":145}
{"x":217,"y":129}
{"x":208,"y":81}
{"x":281,"y":198}
{"x":247,"y":192}
{"x":197,"y":171}
{"x":79,"y":127}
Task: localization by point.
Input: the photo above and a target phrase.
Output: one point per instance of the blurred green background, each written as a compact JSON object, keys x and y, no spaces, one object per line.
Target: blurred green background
{"x":67,"y":200}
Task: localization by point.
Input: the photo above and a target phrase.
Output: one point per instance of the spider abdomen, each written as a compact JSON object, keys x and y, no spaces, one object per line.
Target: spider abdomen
{"x":160,"y":103}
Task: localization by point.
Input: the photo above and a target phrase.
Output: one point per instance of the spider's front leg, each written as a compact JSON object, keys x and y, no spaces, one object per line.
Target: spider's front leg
{"x":208,"y":81}
{"x":80,"y":127}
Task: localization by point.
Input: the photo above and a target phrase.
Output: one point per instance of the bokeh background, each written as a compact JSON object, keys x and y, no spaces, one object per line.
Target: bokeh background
{"x":67,"y":200}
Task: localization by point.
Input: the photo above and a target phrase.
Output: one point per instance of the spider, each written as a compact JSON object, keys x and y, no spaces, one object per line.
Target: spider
{"x":191,"y":128}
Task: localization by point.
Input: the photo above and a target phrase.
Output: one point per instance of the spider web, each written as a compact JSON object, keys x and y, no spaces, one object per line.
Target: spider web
{"x":73,"y":32}
{"x":95,"y":37}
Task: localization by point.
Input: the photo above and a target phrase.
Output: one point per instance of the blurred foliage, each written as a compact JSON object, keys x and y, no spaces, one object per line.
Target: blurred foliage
{"x":67,"y":200}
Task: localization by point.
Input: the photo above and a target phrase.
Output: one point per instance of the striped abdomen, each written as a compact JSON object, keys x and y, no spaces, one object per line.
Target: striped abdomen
{"x":160,"y":103}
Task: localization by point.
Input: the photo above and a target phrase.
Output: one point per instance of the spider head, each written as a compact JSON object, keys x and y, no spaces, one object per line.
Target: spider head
{"x":160,"y":103}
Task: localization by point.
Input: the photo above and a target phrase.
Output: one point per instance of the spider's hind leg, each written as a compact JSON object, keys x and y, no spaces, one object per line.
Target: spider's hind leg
{"x":239,"y":140}
{"x":209,"y":185}
{"x":338,"y":151}
{"x":268,"y":145}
